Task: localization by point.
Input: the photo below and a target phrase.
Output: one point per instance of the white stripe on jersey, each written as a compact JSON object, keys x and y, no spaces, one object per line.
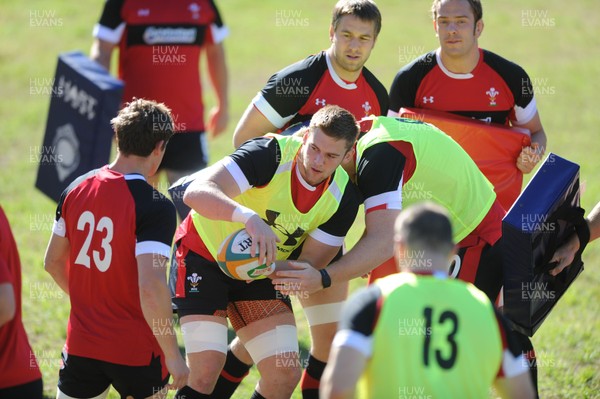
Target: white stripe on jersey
{"x":391,"y":200}
{"x":218,"y":33}
{"x":269,"y":112}
{"x":59,"y":227}
{"x":513,"y":366}
{"x":354,"y":339}
{"x":526,"y":114}
{"x":152,"y":247}
{"x":237,"y":174}
{"x":109,"y":35}
{"x":326,"y":238}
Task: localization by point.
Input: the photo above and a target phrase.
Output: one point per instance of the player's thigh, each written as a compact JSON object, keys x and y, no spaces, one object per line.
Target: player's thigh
{"x":82,"y":377}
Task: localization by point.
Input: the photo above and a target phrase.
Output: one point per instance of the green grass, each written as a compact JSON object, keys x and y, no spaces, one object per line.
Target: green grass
{"x":562,"y":59}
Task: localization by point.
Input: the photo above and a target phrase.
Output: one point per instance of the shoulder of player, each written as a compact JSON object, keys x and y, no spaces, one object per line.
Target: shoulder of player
{"x":501,"y":65}
{"x":420,"y":65}
{"x":312,"y":66}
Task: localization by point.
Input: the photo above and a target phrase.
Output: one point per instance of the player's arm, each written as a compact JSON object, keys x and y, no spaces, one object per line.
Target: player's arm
{"x":107,"y":32}
{"x":212,"y":192}
{"x":101,"y":52}
{"x":565,"y":254}
{"x":56,"y":260}
{"x":343,"y":370}
{"x":155,"y":301}
{"x":513,"y":380}
{"x":8,"y":305}
{"x":352,"y":346}
{"x":252,"y":124}
{"x":530,"y":156}
{"x":217,"y":72}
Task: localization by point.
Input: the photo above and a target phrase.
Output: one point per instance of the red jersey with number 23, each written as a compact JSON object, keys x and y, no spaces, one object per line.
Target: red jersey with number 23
{"x":109,"y":219}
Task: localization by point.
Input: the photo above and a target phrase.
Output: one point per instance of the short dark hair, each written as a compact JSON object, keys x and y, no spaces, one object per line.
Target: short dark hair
{"x":365,"y":10}
{"x":337,"y":123}
{"x":475,"y":7}
{"x":140,"y":125}
{"x":425,"y":226}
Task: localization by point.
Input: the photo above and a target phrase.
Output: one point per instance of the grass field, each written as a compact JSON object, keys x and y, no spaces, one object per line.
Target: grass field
{"x":556,"y":42}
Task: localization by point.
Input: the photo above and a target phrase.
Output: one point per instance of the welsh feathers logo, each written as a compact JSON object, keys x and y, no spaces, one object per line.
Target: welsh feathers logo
{"x":194,"y":281}
{"x":492,"y":94}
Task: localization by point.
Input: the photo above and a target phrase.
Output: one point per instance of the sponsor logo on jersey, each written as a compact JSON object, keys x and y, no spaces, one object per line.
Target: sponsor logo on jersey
{"x":320,"y":101}
{"x":492,"y":94}
{"x":143,"y":12}
{"x":427,"y":99}
{"x":154,"y":35}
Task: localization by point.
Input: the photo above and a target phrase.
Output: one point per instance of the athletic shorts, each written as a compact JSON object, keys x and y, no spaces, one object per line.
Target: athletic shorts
{"x":29,"y":390}
{"x":82,"y":377}
{"x":186,"y":152}
{"x":208,"y":291}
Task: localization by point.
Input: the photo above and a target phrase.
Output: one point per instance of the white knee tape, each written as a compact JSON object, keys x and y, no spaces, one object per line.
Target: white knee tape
{"x":200,"y":336}
{"x":323,"y":314}
{"x":282,"y":339}
{"x":62,"y":395}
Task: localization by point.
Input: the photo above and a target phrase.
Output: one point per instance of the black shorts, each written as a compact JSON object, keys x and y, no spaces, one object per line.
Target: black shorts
{"x":208,"y":291}
{"x":29,"y":390}
{"x":481,"y":264}
{"x":82,"y":377}
{"x":185,"y":152}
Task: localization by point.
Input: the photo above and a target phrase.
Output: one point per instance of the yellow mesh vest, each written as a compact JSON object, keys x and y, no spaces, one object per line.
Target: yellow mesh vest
{"x":444,"y":173}
{"x":462,"y":355}
{"x":275,"y":206}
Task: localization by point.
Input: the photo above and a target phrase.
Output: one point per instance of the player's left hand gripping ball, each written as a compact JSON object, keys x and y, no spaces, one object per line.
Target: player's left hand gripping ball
{"x":235,"y":260}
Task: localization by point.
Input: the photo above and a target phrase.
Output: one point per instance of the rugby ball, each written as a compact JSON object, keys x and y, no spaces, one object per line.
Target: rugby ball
{"x":235,"y":260}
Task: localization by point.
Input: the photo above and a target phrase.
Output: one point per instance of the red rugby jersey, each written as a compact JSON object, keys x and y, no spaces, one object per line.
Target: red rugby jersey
{"x":160,"y":44}
{"x":109,"y":219}
{"x":18,"y":364}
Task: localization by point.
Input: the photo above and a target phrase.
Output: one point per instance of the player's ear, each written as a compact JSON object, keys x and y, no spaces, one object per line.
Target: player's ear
{"x":160,"y":146}
{"x":478,"y":28}
{"x":331,"y":33}
{"x":435,"y":28}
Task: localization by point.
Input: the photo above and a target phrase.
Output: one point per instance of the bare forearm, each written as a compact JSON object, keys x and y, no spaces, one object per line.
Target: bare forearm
{"x":540,"y":139}
{"x":369,"y":252}
{"x":594,"y":222}
{"x":217,"y":71}
{"x":155,"y":302}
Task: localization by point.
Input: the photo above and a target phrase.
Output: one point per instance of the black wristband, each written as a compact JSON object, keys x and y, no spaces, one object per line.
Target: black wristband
{"x":325,"y":278}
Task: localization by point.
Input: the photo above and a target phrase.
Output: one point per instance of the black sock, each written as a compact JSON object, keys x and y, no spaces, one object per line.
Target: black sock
{"x":256,"y":395}
{"x":231,"y":376}
{"x":311,"y":378}
{"x":188,"y":393}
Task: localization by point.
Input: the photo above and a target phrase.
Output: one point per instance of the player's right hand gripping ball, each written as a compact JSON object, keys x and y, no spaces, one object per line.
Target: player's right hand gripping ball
{"x":235,"y":260}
